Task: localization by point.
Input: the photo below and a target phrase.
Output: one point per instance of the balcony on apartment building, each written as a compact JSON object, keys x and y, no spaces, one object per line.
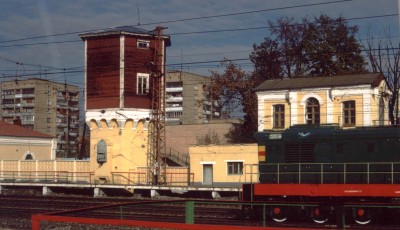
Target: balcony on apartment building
{"x":173,"y":103}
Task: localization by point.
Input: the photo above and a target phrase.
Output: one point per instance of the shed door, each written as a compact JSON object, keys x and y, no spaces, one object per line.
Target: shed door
{"x":207,"y":174}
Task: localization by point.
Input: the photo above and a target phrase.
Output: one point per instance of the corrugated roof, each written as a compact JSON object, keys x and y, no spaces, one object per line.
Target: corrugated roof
{"x":10,"y":130}
{"x":373,"y":79}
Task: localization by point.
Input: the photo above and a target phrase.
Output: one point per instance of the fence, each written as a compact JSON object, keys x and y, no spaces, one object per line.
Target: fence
{"x":78,"y":171}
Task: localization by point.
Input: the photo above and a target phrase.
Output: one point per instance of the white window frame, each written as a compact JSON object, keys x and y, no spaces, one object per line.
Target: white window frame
{"x":143,"y":44}
{"x":234,"y":161}
{"x":139,"y":88}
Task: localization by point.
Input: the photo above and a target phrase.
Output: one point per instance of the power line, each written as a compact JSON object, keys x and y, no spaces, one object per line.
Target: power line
{"x":187,"y":19}
{"x":197,"y":32}
{"x":269,"y":27}
{"x":250,"y":12}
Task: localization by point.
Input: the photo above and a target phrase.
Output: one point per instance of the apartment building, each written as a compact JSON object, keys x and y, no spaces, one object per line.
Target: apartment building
{"x":44,"y":106}
{"x":187,"y":101}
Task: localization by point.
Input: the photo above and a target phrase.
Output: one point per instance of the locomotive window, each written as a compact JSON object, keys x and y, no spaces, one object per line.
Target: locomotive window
{"x":312,"y":111}
{"x":279,"y":116}
{"x":235,"y":168}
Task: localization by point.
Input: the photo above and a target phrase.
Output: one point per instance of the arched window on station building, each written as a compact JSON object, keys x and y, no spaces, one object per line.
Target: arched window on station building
{"x":312,"y":111}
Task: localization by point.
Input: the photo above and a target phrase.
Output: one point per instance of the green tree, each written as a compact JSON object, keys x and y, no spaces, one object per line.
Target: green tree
{"x":331,"y":48}
{"x":322,"y":47}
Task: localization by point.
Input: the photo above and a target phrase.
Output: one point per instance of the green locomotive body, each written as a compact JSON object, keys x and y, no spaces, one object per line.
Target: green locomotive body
{"x":327,"y":173}
{"x":330,"y":154}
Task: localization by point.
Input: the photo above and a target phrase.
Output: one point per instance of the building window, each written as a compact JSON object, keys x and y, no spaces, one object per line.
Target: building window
{"x":28,"y":91}
{"x":8,"y":101}
{"x":174,"y":114}
{"x":349,"y":113}
{"x":235,"y":168}
{"x":143,"y":44}
{"x":312,"y":112}
{"x":142,"y":84}
{"x":279,"y":116}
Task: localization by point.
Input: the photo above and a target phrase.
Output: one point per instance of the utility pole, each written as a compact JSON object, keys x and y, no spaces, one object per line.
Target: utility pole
{"x":156,"y":157}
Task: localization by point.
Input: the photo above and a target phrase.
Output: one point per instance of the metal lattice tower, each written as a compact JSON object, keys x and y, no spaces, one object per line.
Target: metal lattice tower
{"x":156,"y":155}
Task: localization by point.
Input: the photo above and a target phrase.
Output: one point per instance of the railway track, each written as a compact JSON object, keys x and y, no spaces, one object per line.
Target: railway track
{"x":16,"y":211}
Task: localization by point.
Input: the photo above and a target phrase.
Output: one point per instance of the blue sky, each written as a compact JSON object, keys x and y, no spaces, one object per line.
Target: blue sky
{"x":23,"y":19}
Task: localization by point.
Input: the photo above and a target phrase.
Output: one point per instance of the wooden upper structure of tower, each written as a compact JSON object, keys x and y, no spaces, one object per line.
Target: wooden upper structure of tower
{"x":118,"y":67}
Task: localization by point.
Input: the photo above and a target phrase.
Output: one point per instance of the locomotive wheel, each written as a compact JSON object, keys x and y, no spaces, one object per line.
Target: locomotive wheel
{"x":279,"y":214}
{"x":362,"y":216}
{"x":319,"y":215}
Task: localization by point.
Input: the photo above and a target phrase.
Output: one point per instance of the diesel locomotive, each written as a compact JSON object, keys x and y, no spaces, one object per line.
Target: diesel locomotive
{"x":325,"y":172}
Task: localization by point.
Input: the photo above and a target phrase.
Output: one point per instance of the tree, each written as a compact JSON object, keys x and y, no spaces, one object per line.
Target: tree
{"x":384,"y":57}
{"x":233,"y":88}
{"x":322,"y":47}
{"x":331,"y":48}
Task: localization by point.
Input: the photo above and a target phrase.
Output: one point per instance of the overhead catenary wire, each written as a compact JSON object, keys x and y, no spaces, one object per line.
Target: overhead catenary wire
{"x":187,"y":19}
{"x":201,"y":63}
{"x":195,"y":32}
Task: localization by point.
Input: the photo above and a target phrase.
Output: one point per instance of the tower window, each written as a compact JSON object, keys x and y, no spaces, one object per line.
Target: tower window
{"x":142,"y":84}
{"x":143,"y":44}
{"x":101,"y":152}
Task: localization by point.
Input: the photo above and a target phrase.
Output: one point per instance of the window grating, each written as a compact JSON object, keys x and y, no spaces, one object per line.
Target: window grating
{"x":299,"y":152}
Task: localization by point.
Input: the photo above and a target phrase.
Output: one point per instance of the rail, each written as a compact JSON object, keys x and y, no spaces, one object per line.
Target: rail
{"x":198,"y":214}
{"x":329,"y":173}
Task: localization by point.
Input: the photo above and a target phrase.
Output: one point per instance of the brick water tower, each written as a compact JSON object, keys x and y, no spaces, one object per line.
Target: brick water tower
{"x":124,"y":101}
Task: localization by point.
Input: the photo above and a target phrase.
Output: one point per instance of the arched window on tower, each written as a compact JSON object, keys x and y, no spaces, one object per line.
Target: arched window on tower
{"x":101,"y":152}
{"x":28,"y":157}
{"x":312,"y":111}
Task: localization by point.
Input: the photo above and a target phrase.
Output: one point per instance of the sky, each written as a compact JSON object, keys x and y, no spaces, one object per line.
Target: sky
{"x":41,"y":37}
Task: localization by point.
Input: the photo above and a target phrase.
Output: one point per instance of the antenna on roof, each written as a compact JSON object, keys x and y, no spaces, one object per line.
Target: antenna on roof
{"x":138,"y":12}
